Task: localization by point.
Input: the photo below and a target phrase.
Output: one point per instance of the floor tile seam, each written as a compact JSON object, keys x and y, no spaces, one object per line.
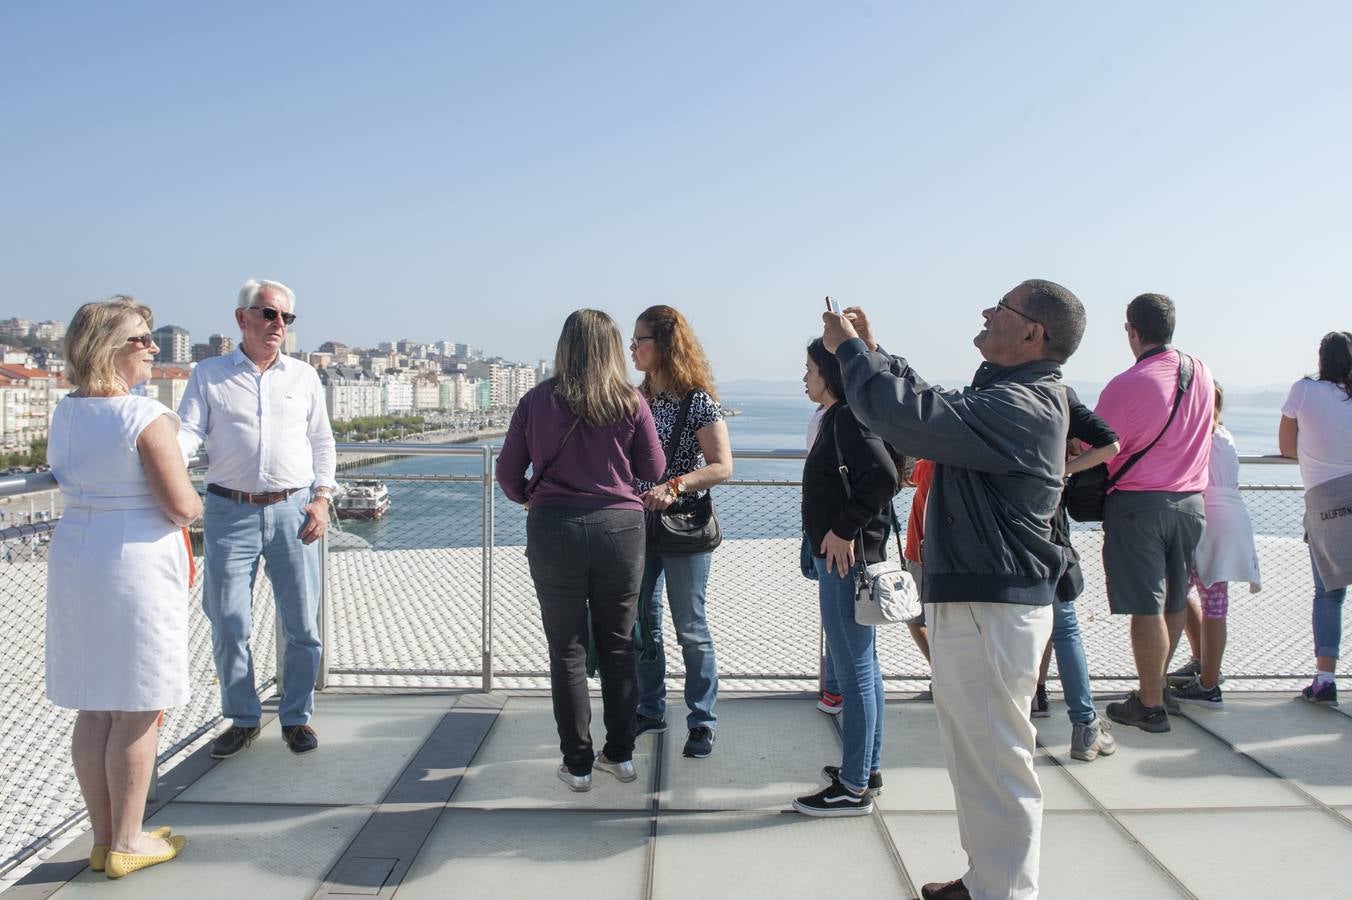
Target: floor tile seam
{"x":281,"y":804}
{"x":392,"y":882}
{"x":1118,"y":824}
{"x":1291,"y":785}
{"x":654,"y":813}
{"x":880,"y":823}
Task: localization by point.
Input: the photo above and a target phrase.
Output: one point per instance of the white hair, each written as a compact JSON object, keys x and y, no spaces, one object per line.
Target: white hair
{"x":249,"y":293}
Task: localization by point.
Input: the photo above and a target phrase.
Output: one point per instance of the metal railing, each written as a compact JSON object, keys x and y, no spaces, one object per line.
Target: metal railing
{"x":438,"y":593}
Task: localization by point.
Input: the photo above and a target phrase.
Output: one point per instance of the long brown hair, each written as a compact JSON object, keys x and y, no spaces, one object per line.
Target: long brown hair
{"x":589,"y":371}
{"x":681,"y":362}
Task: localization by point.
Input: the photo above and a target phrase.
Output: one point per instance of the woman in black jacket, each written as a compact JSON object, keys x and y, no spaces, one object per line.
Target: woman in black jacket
{"x":839,"y":525}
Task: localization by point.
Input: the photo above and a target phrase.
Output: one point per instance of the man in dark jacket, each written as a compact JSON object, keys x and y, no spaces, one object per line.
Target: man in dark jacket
{"x":990,"y":561}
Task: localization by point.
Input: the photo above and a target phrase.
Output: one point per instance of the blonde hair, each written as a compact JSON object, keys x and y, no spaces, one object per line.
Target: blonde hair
{"x":589,"y":371}
{"x":681,"y":361}
{"x":93,"y":338}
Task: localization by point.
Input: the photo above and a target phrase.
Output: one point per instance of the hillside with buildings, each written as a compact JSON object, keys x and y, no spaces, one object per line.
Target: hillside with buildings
{"x":398,"y":378}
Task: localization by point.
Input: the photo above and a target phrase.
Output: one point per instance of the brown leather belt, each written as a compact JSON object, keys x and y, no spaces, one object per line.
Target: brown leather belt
{"x":267,"y":498}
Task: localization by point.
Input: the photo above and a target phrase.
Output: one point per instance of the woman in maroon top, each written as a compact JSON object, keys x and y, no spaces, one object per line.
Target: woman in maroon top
{"x":588,"y":437}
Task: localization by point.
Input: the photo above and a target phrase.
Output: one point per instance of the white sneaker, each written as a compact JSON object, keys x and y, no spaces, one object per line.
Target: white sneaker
{"x":621,"y":770}
{"x":579,"y":783}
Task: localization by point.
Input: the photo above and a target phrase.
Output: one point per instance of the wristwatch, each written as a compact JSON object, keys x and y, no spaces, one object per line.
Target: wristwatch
{"x":675,"y":486}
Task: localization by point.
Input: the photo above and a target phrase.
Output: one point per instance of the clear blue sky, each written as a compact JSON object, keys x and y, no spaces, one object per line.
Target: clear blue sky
{"x":473,"y":171}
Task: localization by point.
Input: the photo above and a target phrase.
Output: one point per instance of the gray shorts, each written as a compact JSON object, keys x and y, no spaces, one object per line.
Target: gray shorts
{"x":1149,"y":540}
{"x":918,"y":573}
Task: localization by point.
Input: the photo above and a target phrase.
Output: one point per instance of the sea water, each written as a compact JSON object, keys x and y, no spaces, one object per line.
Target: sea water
{"x":439,"y":514}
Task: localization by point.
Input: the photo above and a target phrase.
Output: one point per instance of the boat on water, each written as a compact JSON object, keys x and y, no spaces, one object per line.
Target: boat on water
{"x":365,"y":499}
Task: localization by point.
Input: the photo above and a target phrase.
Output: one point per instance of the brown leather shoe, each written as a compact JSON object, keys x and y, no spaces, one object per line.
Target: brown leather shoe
{"x":949,"y":890}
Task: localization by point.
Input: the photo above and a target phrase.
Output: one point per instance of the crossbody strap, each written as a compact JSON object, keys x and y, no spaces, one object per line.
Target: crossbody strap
{"x":844,"y":471}
{"x":674,"y":440}
{"x":540,"y":472}
{"x":1184,"y":382}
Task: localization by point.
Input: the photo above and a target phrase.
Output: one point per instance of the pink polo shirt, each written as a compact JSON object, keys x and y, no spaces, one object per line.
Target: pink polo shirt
{"x":1136,"y":405}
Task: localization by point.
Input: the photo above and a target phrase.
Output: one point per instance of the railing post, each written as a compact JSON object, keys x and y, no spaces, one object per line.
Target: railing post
{"x":486,"y":575}
{"x":324,"y":613}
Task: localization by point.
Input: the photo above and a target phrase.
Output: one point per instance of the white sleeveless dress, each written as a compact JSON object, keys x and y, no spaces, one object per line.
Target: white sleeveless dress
{"x":117,"y":568}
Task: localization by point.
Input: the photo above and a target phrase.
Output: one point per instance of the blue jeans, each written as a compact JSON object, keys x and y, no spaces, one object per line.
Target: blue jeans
{"x":805,"y":561}
{"x":237,"y":536}
{"x":854,"y":651}
{"x":686,"y":577}
{"x":1328,"y":616}
{"x":1070,"y":662}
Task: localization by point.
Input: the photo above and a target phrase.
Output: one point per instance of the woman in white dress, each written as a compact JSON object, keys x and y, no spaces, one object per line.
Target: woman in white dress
{"x":117,"y":576}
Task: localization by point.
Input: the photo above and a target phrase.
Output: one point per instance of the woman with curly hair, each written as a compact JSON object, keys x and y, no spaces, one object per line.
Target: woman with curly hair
{"x":676,"y":374}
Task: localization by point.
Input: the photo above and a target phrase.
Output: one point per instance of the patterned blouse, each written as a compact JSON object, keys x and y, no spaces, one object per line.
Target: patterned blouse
{"x":704,"y":410}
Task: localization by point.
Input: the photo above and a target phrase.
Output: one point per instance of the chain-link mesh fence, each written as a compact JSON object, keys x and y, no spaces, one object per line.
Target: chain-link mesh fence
{"x":38,"y":790}
{"x":406,"y":595}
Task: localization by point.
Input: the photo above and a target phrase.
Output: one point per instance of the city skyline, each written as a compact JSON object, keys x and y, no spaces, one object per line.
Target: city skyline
{"x":480,"y":170}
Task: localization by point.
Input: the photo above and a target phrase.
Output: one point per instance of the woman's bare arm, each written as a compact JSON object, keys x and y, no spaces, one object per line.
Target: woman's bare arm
{"x":1286,"y":437}
{"x":168,"y":478}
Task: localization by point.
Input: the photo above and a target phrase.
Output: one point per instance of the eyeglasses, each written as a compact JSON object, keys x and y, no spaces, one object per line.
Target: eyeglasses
{"x":146,"y":341}
{"x":270,"y":314}
{"x":1003,"y":305}
{"x":638,"y":339}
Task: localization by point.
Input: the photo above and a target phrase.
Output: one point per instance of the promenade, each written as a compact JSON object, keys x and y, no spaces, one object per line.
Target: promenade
{"x":453,"y":794}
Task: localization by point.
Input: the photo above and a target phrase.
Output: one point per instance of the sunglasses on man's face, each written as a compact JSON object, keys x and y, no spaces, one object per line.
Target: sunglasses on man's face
{"x":270,"y":314}
{"x":145,"y":341}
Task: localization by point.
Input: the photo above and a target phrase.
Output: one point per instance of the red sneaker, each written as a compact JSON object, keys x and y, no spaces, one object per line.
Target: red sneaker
{"x":831,"y":704}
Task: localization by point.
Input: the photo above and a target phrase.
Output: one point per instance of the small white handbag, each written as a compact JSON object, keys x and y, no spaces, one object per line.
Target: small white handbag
{"x":886,"y":593}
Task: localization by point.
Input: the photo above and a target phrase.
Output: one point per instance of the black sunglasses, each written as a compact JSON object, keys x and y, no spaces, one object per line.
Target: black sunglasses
{"x":1003,"y":305}
{"x":270,"y":314}
{"x":146,"y":341}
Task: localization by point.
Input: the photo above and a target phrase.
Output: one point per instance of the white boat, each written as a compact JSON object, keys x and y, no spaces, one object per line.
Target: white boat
{"x":362,"y":500}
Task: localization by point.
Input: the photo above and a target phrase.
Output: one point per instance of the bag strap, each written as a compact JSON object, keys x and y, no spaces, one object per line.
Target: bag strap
{"x":674,"y":440}
{"x":540,"y":472}
{"x":1184,"y":382}
{"x":844,"y":471}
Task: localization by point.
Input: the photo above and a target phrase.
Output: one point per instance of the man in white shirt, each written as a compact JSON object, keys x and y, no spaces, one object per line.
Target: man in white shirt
{"x":271,"y":453}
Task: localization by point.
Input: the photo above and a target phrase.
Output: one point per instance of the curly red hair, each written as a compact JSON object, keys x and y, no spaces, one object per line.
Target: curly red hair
{"x":682,"y":365}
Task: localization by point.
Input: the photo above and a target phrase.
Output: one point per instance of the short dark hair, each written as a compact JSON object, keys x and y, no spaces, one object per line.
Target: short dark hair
{"x":1061,"y":314}
{"x":828,"y":366}
{"x":1152,"y":315}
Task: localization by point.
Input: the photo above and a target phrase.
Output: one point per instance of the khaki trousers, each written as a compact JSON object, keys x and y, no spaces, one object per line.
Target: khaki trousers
{"x":985,"y":661}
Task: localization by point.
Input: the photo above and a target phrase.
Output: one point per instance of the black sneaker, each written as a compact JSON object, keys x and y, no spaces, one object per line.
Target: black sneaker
{"x":700,"y":742}
{"x":1194,"y":693}
{"x":1186,"y":672}
{"x":875,"y":779}
{"x":300,"y":738}
{"x":1326,"y":695}
{"x":233,"y":740}
{"x":1132,"y":711}
{"x":1170,"y":701}
{"x":834,"y":800}
{"x":1041,"y":709}
{"x":649,"y":725}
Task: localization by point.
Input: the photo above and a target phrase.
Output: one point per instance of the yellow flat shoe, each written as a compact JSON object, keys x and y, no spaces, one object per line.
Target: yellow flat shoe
{"x":120,"y":864}
{"x":98,"y":857}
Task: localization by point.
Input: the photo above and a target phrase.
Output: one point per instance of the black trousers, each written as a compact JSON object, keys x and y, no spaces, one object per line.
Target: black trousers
{"x":588,"y":560}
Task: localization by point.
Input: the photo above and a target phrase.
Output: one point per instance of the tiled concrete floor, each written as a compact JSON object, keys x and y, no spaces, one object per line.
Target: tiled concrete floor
{"x":439,"y":795}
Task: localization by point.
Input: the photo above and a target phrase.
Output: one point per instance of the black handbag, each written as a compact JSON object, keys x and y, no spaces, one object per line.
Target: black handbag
{"x":689,"y":525}
{"x":1086,"y":492}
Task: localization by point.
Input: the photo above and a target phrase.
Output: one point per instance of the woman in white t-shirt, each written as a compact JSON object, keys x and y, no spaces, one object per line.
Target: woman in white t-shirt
{"x":1316,"y":429}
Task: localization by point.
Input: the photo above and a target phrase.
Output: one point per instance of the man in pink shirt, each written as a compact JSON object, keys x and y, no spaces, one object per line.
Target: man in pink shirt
{"x":1154,"y":515}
